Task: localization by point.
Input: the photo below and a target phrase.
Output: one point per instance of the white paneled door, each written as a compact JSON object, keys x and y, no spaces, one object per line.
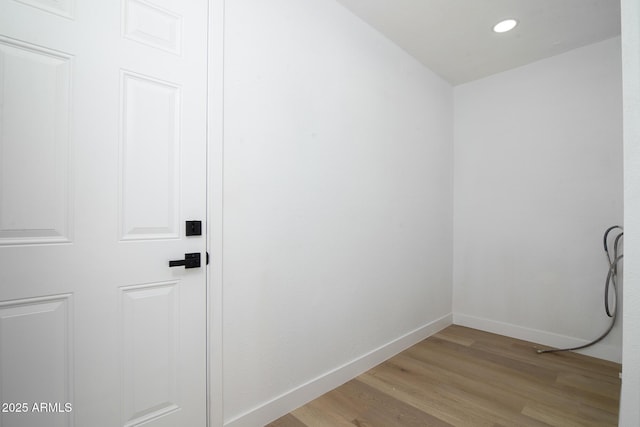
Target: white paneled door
{"x":102,"y":160}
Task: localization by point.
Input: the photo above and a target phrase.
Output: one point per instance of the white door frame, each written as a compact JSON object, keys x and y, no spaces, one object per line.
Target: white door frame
{"x":630,"y":393}
{"x":215,"y":152}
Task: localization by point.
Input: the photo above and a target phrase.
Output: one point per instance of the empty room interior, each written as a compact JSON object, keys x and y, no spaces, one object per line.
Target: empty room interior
{"x":215,"y":212}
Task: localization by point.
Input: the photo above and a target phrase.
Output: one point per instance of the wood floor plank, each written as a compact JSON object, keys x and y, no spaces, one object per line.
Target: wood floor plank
{"x":315,"y":414}
{"x":585,"y":383}
{"x":288,"y":421}
{"x":454,"y":335}
{"x":476,"y":368}
{"x":385,"y":411}
{"x":453,"y":407}
{"x":559,"y":417}
{"x":465,"y":377}
{"x":599,"y":416}
{"x":478,"y":402}
{"x":340,"y":407}
{"x":430,"y":399}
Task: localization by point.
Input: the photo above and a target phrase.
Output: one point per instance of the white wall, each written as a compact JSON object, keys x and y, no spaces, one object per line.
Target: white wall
{"x":337,"y":203}
{"x":630,"y":398}
{"x":538,"y":178}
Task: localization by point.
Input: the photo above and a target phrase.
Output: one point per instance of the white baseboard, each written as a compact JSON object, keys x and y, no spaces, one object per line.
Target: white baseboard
{"x":287,"y":402}
{"x":601,"y":351}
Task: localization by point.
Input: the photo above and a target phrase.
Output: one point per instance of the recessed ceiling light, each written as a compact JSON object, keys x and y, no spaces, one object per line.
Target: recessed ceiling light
{"x":504,"y":26}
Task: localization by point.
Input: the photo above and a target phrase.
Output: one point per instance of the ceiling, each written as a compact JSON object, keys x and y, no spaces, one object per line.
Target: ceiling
{"x":454,"y":38}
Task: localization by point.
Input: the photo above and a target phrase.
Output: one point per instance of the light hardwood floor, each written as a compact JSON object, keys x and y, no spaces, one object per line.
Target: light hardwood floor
{"x":465,"y":377}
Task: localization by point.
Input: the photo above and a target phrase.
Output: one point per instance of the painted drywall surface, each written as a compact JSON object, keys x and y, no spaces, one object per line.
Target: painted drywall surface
{"x":630,"y":397}
{"x":337,"y":195}
{"x":537,"y":179}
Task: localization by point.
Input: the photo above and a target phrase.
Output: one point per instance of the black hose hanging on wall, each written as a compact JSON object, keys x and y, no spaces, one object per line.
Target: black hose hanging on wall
{"x":611,"y":282}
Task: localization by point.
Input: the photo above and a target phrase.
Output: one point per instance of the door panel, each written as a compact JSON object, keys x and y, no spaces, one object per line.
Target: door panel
{"x":41,"y":371}
{"x":150,"y":142}
{"x":35,"y":85}
{"x":102,"y":159}
{"x":150,"y":329}
{"x":152,"y":25}
{"x":59,"y":7}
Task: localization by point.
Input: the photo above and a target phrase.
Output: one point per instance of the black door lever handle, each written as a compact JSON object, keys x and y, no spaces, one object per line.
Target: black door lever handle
{"x":190,"y":261}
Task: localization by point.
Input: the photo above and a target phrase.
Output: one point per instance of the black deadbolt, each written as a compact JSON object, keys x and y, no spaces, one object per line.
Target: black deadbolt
{"x":193,"y":228}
